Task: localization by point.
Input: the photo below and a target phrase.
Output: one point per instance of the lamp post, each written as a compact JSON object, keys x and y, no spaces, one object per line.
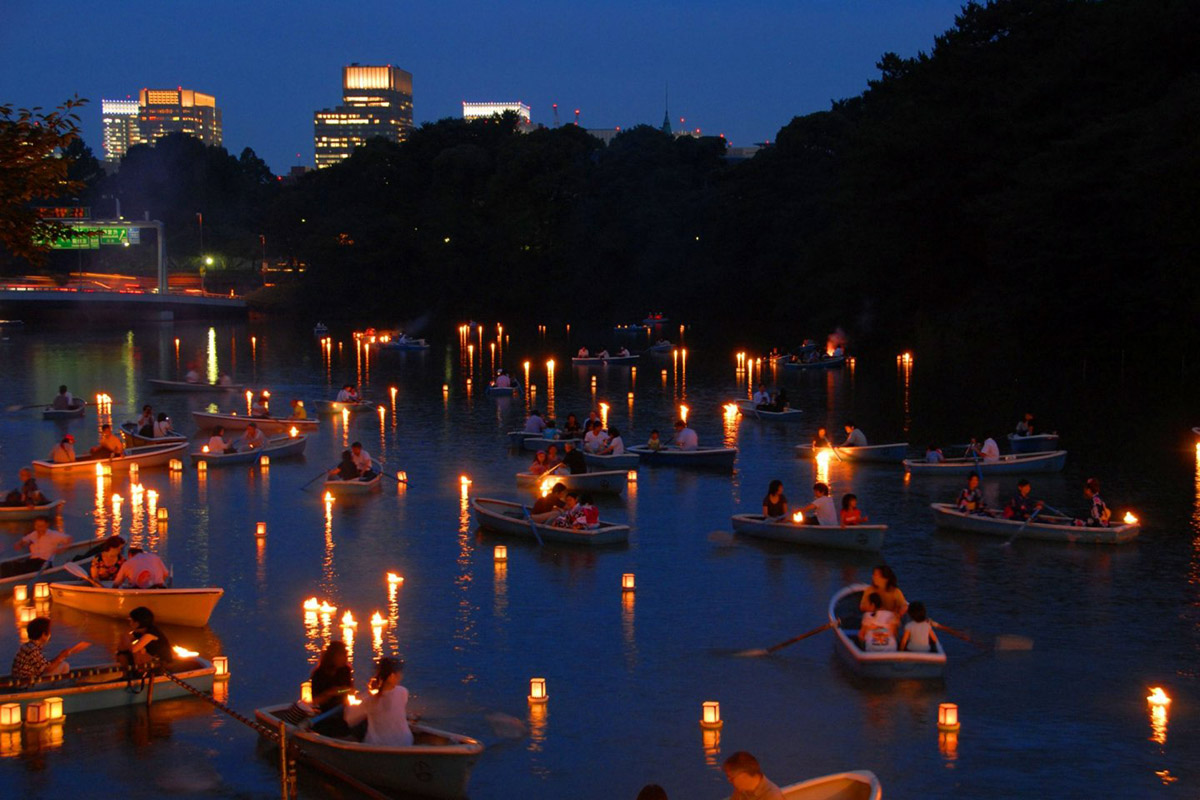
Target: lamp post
{"x":208,"y":262}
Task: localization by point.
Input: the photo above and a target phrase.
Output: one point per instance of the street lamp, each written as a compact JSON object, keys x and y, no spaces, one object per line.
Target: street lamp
{"x":208,"y":262}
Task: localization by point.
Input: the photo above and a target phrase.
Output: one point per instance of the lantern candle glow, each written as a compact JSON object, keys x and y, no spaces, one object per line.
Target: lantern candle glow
{"x":202,"y":466}
{"x":537,"y":690}
{"x":710,"y":715}
{"x":947,"y":717}
{"x":162,"y":514}
{"x":10,"y":716}
{"x":500,"y":553}
{"x":54,"y":708}
{"x":175,"y":465}
{"x":221,"y":665}
{"x":37,"y":714}
{"x":20,"y":593}
{"x":41,"y":591}
{"x":264,"y":461}
{"x":260,"y":529}
{"x":306,"y":692}
{"x":627,"y":582}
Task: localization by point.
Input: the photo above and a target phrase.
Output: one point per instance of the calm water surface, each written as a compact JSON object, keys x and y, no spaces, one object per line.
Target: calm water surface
{"x":626,"y":677}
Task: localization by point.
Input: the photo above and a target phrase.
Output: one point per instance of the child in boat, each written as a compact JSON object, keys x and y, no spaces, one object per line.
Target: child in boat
{"x":918,"y":633}
{"x":1021,"y":506}
{"x":570,"y":513}
{"x":655,"y":444}
{"x":539,"y":463}
{"x":1098,"y":514}
{"x":851,"y":515}
{"x":970,"y":499}
{"x":589,"y":515}
{"x":877,"y":631}
{"x":551,"y":430}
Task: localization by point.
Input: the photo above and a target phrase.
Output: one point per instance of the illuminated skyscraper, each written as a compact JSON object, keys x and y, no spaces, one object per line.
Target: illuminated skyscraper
{"x":376,"y":102}
{"x":163,"y":111}
{"x":119,"y":118}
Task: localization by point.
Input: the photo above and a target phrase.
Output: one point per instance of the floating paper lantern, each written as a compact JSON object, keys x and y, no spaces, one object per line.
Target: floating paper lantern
{"x":37,"y":714}
{"x":402,"y":476}
{"x":947,"y":717}
{"x":133,"y":473}
{"x":54,"y":708}
{"x":631,"y":476}
{"x":500,"y":553}
{"x":710,"y":715}
{"x":41,"y":591}
{"x":221,"y":665}
{"x":10,"y":716}
{"x":627,"y":583}
{"x":20,"y":593}
{"x":260,"y":529}
{"x":537,"y":690}
{"x":393,"y":579}
{"x":162,"y":514}
{"x":202,"y":466}
{"x":306,"y":692}
{"x":264,"y":461}
{"x":175,"y":465}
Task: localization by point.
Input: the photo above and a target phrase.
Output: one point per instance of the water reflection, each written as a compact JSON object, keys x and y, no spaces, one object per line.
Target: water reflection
{"x":500,"y":589}
{"x":710,"y":740}
{"x":628,"y":633}
{"x":328,"y":575}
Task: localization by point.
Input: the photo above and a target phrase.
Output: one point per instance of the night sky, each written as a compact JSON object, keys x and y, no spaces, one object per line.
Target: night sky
{"x":741,"y":69}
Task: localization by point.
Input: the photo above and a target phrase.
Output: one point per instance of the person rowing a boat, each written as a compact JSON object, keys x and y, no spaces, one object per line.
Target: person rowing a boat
{"x":821,"y":508}
{"x":28,"y":494}
{"x":1021,"y":506}
{"x":43,"y":543}
{"x":854,"y":436}
{"x":1098,"y":512}
{"x":143,"y":570}
{"x":535,"y":423}
{"x":217,"y":443}
{"x":685,"y":437}
{"x":348,"y":394}
{"x":346,"y":470}
{"x":821,"y":440}
{"x":332,"y":679}
{"x":63,"y":400}
{"x":747,"y":779}
{"x":970,"y":499}
{"x":775,"y":505}
{"x":1025,"y":426}
{"x":883,"y":584}
{"x":548,"y":507}
{"x":362,"y":460}
{"x":64,"y":451}
{"x":252,"y":438}
{"x":30,"y":662}
{"x":109,"y":446}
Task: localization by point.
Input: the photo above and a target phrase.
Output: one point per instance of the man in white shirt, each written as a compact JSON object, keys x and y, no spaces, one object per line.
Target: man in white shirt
{"x":762,"y":397}
{"x":362,"y":460}
{"x":593,"y":440}
{"x":63,"y":400}
{"x":42,"y":542}
{"x":347,"y":394}
{"x":854,"y":437}
{"x":685,"y":437}
{"x":822,"y":506}
{"x":615,"y":445}
{"x":253,"y":437}
{"x":503,"y":381}
{"x":990,"y":450}
{"x":143,"y":570}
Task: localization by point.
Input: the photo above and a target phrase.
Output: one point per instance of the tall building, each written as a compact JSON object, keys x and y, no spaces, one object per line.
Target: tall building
{"x":163,"y":111}
{"x":487,"y":110}
{"x":120,"y":125}
{"x":376,"y":102}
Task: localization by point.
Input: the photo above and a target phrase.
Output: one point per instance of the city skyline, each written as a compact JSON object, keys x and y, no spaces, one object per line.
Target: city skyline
{"x":743,"y":72}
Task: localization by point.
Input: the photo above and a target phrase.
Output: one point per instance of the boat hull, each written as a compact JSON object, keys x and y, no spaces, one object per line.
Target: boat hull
{"x":191,"y":607}
{"x":333,"y":407}
{"x":233,"y":422}
{"x":747,"y":409}
{"x":614,"y":361}
{"x":502,"y":516}
{"x":855,"y":785}
{"x":153,"y":455}
{"x":18,"y":513}
{"x":824,"y":363}
{"x":97,"y":688}
{"x":1027,"y":464}
{"x":842,"y":537}
{"x":74,"y":412}
{"x":58,"y":570}
{"x":281,"y":447}
{"x":625,"y":461}
{"x":535,"y":443}
{"x":702,"y":458}
{"x":946,"y":515}
{"x":503,"y":391}
{"x":1038,"y":443}
{"x":440,"y":768}
{"x":606,"y":482}
{"x":159,"y":385}
{"x":881,"y":453}
{"x":355,"y":486}
{"x":129,"y":431}
{"x":886,"y":665}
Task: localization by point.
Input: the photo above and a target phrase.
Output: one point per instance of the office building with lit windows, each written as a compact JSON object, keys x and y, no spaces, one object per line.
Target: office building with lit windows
{"x":163,"y":111}
{"x":377,"y":101}
{"x":119,"y":119}
{"x":473,"y":110}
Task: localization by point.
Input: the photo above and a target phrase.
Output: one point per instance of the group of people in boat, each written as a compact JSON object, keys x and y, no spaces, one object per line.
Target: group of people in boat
{"x":356,"y":464}
{"x":149,"y":426}
{"x":27,"y":495}
{"x":141,"y":646}
{"x":193,"y":376}
{"x":1022,"y":507}
{"x":381,"y":718}
{"x":622,"y":352}
{"x":821,"y":511}
{"x":109,"y":445}
{"x":764,"y":401}
{"x":596,"y":439}
{"x":251,"y":439}
{"x":565,"y":509}
{"x":883,"y":608}
{"x":744,"y":774}
{"x":854,"y":438}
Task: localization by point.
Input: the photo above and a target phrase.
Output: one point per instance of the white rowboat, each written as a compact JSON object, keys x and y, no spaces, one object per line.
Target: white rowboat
{"x":747,"y":408}
{"x":844,"y":613}
{"x":151,"y":455}
{"x":626,"y":461}
{"x":278,"y":447}
{"x":887,"y":453}
{"x":129,"y":430}
{"x":701,"y":457}
{"x":1051,"y":529}
{"x":505,"y":517}
{"x":106,"y":686}
{"x":190,"y":607}
{"x":206,"y":420}
{"x":19,"y":513}
{"x":76,"y":409}
{"x":1025,"y":464}
{"x":1037,"y":443}
{"x":606,"y":482}
{"x":614,"y":361}
{"x":844,"y":537}
{"x":855,"y":785}
{"x":10,"y":578}
{"x":356,"y":486}
{"x":160,"y":385}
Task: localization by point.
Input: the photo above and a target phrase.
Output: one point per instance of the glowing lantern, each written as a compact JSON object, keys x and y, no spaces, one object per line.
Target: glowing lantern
{"x":377,"y":620}
{"x":221,"y":665}
{"x":116,"y":501}
{"x":445,"y":388}
{"x":175,"y":465}
{"x":547,"y":484}
{"x":37,"y":714}
{"x":10,"y":716}
{"x":183,"y":652}
{"x":630,"y":395}
{"x":537,"y":690}
{"x":1130,"y":519}
{"x":627,"y":584}
{"x":326,"y":608}
{"x":20,"y":593}
{"x":500,"y":553}
{"x":947,"y":717}
{"x":348,"y":620}
{"x":731,"y":409}
{"x":264,"y":461}
{"x":464,"y":480}
{"x":260,"y":529}
{"x":293,"y":431}
{"x":41,"y":591}
{"x":631,"y":476}
{"x":25,"y":615}
{"x":306,"y":692}
{"x":683,"y":412}
{"x":105,"y":470}
{"x":1158,"y":697}
{"x":329,"y":497}
{"x":798,"y":517}
{"x":710,"y":715}
{"x":352,"y":700}
{"x":162,"y":514}
{"x":392,"y":389}
{"x":202,"y":466}
{"x":205,"y":449}
{"x":311,"y":604}
{"x":99,"y":470}
{"x":402,"y":476}
{"x":133,"y":473}
{"x":394,"y":580}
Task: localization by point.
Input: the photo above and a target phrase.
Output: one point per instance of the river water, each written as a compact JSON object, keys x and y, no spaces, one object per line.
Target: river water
{"x":626,"y":674}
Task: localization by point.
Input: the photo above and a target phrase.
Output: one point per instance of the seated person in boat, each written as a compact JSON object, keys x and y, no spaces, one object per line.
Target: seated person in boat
{"x":386,"y":711}
{"x":883,"y":584}
{"x":192,"y":375}
{"x":63,"y":400}
{"x":109,"y":446}
{"x":838,"y":351}
{"x":261,"y":407}
{"x":571,"y":514}
{"x":990,"y":451}
{"x":252,"y":438}
{"x":918,"y":633}
{"x":346,"y":470}
{"x":64,"y":451}
{"x":502,"y":380}
{"x":552,"y":457}
{"x":573,"y":459}
{"x":602,"y":354}
{"x":362,"y":460}
{"x":43,"y":543}
{"x":970,"y":499}
{"x":539,"y":464}
{"x":162,"y":427}
{"x":143,"y":570}
{"x":29,"y":494}
{"x":548,"y":507}
{"x":685,"y":437}
{"x":551,"y":431}
{"x":1098,"y":512}
{"x":821,"y":506}
{"x":854,"y":437}
{"x":622,"y":352}
{"x":332,"y":679}
{"x":615,"y":445}
{"x":761,"y":398}
{"x":217,"y":443}
{"x":144,"y":642}
{"x":145,"y":423}
{"x":223,"y":379}
{"x":109,"y":560}
{"x":348,"y":394}
{"x":298,"y":410}
{"x":1025,"y":426}
{"x":592,"y":419}
{"x":583,"y":353}
{"x":594,"y":440}
{"x":535,"y":423}
{"x":589,"y":514}
{"x":1021,"y":506}
{"x":821,"y":440}
{"x":30,"y":662}
{"x":654,"y":444}
{"x":851,"y":514}
{"x":781,"y":402}
{"x":933,"y":454}
{"x":746,"y":776}
{"x":877,"y":631}
{"x":775,"y":504}
{"x":572,"y":428}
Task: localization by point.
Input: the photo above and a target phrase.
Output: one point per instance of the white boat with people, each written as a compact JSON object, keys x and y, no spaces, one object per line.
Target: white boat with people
{"x":145,"y":456}
{"x":19,"y":513}
{"x":108,"y":686}
{"x":73,"y":411}
{"x":437,"y":764}
{"x":854,"y":785}
{"x":604,"y":482}
{"x":787,"y":529}
{"x":604,"y":361}
{"x":1033,"y":443}
{"x":354,"y":486}
{"x":748,"y":408}
{"x":1045,"y":527}
{"x":892,"y":453}
{"x":335,"y":407}
{"x":503,"y":516}
{"x":404,"y":342}
{"x":172,"y":606}
{"x":15,"y":571}
{"x":700,"y":457}
{"x":625,"y":461}
{"x":662,"y":346}
{"x":845,"y":616}
{"x":206,"y":420}
{"x":130,"y":431}
{"x":503,"y":391}
{"x":1023,"y":464}
{"x":276,"y":447}
{"x":161,"y":385}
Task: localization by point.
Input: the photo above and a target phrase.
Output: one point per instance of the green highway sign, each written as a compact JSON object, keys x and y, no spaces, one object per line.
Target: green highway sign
{"x":91,"y":237}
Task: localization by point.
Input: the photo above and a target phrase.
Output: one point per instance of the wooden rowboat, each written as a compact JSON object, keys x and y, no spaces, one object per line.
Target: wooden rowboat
{"x":1050,"y":529}
{"x":1023,"y":464}
{"x":844,"y":537}
{"x":503,"y":391}
{"x":701,"y":457}
{"x":334,"y":407}
{"x":437,"y":764}
{"x":844,"y":613}
{"x":611,"y":481}
{"x":889,"y":453}
{"x":614,"y":361}
{"x":151,"y":455}
{"x":129,"y":430}
{"x":75,"y":550}
{"x":76,"y":409}
{"x":356,"y":486}
{"x":1037,"y":443}
{"x":822,"y":363}
{"x":278,"y":447}
{"x":206,"y":420}
{"x":18,"y":513}
{"x":505,"y":517}
{"x":190,"y":607}
{"x":106,"y":686}
{"x":160,"y":385}
{"x":625,"y":461}
{"x":855,"y":785}
{"x":747,"y":408}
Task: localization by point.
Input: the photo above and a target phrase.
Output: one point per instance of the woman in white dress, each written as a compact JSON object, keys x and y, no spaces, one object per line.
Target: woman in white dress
{"x":386,"y":711}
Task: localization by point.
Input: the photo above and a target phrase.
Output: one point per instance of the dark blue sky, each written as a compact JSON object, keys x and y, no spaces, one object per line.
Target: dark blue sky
{"x":742,"y":69}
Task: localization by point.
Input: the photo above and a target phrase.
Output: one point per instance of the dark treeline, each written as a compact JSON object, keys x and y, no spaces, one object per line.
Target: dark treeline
{"x":1034,"y":177}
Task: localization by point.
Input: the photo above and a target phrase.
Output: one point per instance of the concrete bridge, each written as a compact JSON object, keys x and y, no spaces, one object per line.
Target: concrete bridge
{"x":26,"y":302}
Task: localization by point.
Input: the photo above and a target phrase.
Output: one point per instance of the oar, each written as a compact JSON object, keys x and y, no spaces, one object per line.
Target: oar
{"x":1017,"y":533}
{"x":80,"y":572}
{"x":314,"y":480}
{"x":834,"y":449}
{"x":532,"y":525}
{"x":1001,"y":642}
{"x":788,"y":642}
